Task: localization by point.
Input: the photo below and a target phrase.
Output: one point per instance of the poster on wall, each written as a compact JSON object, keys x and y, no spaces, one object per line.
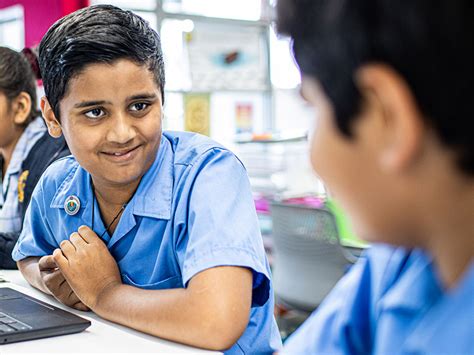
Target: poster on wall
{"x":226,"y":57}
{"x":243,"y":117}
{"x":197,"y":113}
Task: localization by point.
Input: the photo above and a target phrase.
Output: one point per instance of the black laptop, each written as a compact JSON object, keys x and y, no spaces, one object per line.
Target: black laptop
{"x":24,"y":318}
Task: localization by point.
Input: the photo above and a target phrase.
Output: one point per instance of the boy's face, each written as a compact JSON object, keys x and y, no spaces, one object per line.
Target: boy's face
{"x":347,"y":166}
{"x":11,"y":118}
{"x":6,"y":121}
{"x":111,"y":119}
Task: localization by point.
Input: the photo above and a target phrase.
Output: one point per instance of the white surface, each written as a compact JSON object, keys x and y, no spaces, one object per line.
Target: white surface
{"x":101,"y":337}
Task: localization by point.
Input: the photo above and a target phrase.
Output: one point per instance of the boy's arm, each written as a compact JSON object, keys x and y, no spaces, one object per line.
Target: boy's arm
{"x":43,"y":274}
{"x":212,"y":312}
{"x":30,"y":270}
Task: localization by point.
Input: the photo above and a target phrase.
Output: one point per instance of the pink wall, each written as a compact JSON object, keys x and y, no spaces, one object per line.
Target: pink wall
{"x":41,"y":14}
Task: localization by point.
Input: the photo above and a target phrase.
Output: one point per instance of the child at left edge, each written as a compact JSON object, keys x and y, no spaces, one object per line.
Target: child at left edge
{"x":181,"y":256}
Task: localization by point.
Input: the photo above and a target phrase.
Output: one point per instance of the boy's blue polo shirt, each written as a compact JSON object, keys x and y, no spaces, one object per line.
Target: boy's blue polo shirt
{"x":193,"y":210}
{"x":391,"y":302}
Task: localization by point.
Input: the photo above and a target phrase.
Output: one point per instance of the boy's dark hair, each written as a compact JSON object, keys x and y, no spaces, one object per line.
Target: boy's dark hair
{"x":16,"y":76}
{"x":96,"y":34}
{"x":429,"y":42}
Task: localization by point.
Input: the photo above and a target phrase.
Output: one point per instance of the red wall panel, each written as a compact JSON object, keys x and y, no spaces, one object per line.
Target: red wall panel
{"x":41,"y":14}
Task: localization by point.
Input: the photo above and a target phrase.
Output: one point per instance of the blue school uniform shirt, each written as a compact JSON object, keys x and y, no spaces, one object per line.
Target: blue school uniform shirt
{"x":391,"y":302}
{"x":192,"y":210}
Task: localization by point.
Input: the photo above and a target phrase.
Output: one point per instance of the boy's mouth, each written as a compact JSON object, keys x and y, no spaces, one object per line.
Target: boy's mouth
{"x":122,"y":155}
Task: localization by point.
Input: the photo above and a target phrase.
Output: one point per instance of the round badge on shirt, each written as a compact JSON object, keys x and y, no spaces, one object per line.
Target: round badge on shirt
{"x":72,"y":205}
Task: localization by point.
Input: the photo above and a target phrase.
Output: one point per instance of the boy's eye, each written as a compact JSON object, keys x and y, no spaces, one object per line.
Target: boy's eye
{"x":95,"y":113}
{"x":139,"y":106}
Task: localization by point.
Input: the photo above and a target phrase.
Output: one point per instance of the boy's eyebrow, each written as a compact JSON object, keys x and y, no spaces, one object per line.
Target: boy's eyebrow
{"x":91,"y":103}
{"x":144,"y":96}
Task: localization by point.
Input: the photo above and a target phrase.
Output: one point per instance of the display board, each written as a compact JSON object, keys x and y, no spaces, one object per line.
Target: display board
{"x":227,"y":57}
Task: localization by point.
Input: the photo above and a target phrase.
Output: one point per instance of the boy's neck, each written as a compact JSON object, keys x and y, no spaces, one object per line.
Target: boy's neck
{"x":454,"y":252}
{"x":111,"y":199}
{"x":114,"y":195}
{"x":450,"y":238}
{"x":453,"y":261}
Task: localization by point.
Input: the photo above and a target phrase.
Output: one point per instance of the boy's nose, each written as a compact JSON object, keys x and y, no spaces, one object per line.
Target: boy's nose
{"x":121,"y":129}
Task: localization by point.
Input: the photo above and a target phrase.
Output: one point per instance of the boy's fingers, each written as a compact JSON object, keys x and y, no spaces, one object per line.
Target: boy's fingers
{"x":48,"y":279}
{"x":59,"y":258}
{"x":88,"y":234}
{"x":77,"y":240}
{"x":47,"y":263}
{"x":67,"y":248}
{"x":81,"y":307}
{"x":56,"y":276}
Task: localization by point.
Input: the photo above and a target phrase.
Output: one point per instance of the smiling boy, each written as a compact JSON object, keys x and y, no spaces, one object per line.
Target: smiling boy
{"x":153,"y":230}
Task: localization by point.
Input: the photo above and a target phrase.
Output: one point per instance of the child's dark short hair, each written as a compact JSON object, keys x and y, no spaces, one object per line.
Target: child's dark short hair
{"x":429,"y":42}
{"x":16,"y":76}
{"x":96,"y":34}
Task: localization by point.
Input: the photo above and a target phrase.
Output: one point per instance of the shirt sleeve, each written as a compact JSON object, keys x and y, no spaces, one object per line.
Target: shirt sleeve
{"x":222,"y":225}
{"x":345,"y":322}
{"x":36,"y":238}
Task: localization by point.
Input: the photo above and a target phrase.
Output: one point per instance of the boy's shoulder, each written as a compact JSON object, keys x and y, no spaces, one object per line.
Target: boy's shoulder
{"x":386,"y":264}
{"x":378,"y":269}
{"x":62,"y":175}
{"x":188,"y":147}
{"x":386,"y":259}
{"x":59,"y":171}
{"x":395,"y":275}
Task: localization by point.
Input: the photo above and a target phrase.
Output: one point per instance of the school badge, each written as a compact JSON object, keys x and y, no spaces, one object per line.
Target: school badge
{"x":72,"y":205}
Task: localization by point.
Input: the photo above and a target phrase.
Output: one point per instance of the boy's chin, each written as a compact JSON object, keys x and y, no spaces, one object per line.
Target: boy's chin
{"x":119,"y":179}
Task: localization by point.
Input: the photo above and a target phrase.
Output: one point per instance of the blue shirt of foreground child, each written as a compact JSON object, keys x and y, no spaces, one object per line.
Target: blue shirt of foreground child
{"x":391,"y":302}
{"x":193,"y":210}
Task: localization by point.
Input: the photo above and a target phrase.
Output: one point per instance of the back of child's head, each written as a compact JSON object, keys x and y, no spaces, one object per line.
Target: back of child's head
{"x":430,"y":43}
{"x":16,"y":76}
{"x":93,"y":35}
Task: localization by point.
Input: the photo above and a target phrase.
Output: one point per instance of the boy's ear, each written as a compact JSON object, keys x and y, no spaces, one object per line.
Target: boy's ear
{"x":54,"y":127}
{"x":401,"y":128}
{"x":21,"y":106}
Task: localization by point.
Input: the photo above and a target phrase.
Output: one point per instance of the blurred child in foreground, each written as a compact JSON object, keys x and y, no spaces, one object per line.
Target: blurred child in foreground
{"x":392,"y":84}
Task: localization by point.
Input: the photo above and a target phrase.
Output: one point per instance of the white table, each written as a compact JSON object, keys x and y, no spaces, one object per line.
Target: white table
{"x":101,"y":337}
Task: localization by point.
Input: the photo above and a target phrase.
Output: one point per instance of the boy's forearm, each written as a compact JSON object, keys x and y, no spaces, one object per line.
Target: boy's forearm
{"x":173,"y":314}
{"x":30,"y":271}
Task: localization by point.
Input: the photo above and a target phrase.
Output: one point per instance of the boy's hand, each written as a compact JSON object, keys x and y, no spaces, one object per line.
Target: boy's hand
{"x":55,"y":282}
{"x":87,"y":265}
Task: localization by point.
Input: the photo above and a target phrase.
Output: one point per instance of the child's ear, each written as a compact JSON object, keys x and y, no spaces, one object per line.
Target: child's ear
{"x":54,"y":127}
{"x":21,"y":106}
{"x":401,"y":122}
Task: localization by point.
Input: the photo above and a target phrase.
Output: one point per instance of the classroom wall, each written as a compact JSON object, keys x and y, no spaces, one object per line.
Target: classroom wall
{"x":41,"y":14}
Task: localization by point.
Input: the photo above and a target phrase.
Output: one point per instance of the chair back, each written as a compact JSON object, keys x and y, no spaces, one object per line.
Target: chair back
{"x":308,"y":258}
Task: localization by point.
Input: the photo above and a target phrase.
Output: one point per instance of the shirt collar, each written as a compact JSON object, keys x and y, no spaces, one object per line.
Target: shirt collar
{"x":152,"y":199}
{"x":449,"y":308}
{"x":76,"y":183}
{"x":154,"y":194}
{"x":418,"y":286}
